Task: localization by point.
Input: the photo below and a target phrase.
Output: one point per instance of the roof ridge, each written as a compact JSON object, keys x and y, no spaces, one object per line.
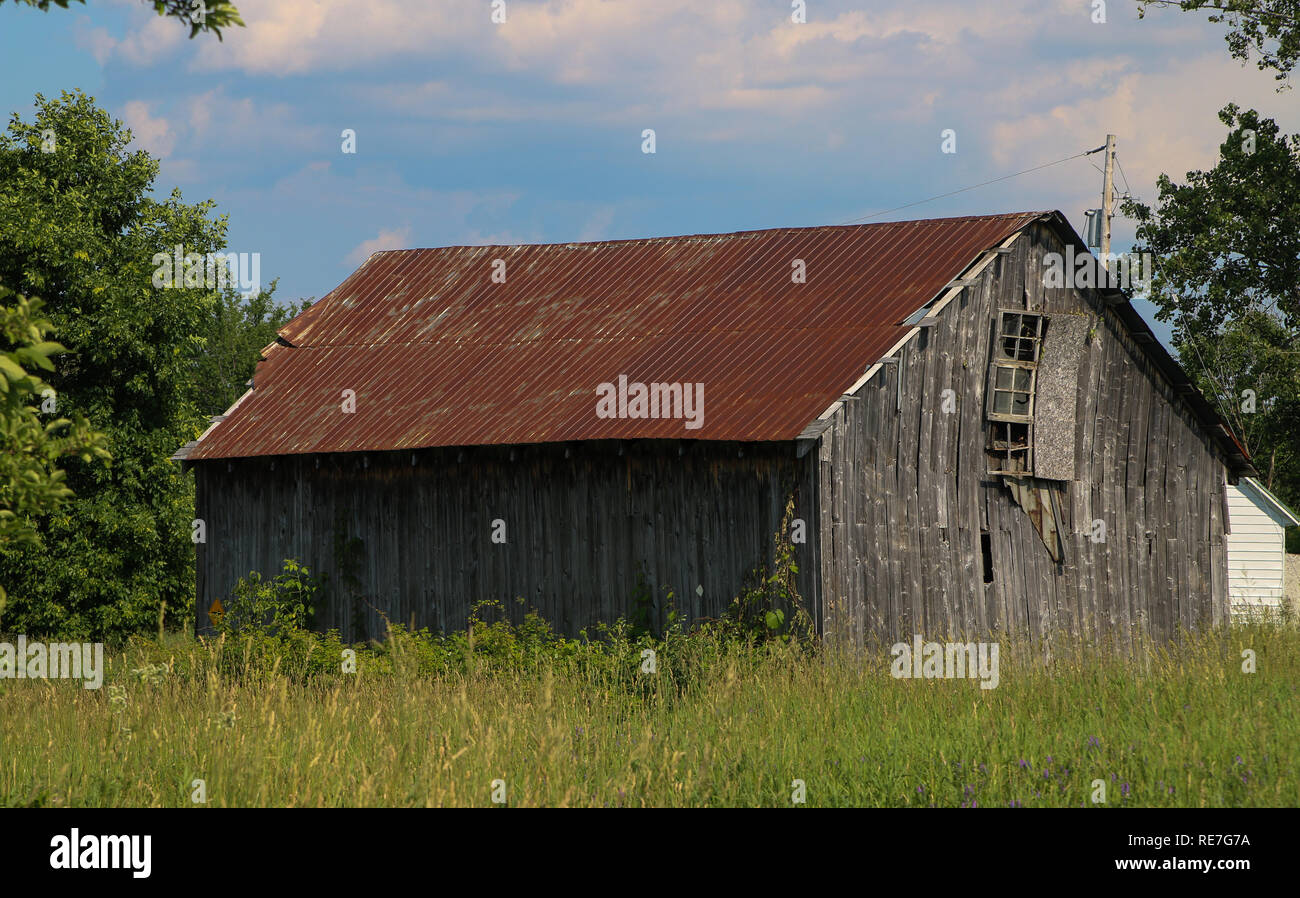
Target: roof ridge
{"x":661,"y":238}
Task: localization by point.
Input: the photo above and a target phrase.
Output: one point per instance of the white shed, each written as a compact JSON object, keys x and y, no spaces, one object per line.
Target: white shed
{"x":1256,"y":548}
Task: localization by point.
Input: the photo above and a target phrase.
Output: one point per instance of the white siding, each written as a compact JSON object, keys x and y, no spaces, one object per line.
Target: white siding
{"x":1256,"y":546}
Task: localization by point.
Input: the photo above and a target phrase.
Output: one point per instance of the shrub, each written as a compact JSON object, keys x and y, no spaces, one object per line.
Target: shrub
{"x":278,"y":606}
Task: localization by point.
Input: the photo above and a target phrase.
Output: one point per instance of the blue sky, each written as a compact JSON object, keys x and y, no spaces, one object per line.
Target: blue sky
{"x":530,"y":131}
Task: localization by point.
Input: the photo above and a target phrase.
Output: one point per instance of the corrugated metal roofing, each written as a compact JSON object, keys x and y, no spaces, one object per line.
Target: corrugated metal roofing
{"x":440,"y":355}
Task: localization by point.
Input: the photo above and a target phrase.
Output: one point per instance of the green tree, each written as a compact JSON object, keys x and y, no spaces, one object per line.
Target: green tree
{"x":235,"y":332}
{"x":1227,"y":276}
{"x":79,"y":228}
{"x":200,"y":15}
{"x":1268,"y":28}
{"x":31,"y":484}
{"x":1228,"y":241}
{"x":1250,"y":369}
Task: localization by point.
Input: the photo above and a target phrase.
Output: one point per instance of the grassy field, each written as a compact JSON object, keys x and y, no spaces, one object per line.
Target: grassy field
{"x":717,"y":725}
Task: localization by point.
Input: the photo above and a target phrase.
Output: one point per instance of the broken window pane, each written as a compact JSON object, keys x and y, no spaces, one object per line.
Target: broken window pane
{"x":1017,"y":349}
{"x":1021,"y":336}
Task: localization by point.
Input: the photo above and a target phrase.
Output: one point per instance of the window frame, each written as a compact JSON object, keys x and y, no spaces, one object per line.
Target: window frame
{"x":1013,"y":362}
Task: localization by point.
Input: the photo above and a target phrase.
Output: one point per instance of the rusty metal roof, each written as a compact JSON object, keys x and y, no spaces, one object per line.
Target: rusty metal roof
{"x":438,"y":354}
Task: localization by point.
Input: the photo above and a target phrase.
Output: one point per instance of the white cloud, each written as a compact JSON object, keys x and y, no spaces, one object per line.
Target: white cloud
{"x":395,"y":238}
{"x":217,"y":119}
{"x":98,"y":41}
{"x":154,"y":134}
{"x":1164,"y":122}
{"x":149,"y":40}
{"x":729,"y":66}
{"x":213,"y":121}
{"x":868,"y":89}
{"x":284,"y":37}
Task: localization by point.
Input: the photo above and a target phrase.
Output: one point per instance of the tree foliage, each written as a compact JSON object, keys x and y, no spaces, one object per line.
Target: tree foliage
{"x":235,"y":332}
{"x":1268,"y":28}
{"x":1250,"y":369}
{"x":1228,"y":240}
{"x":200,"y":15}
{"x":1227,"y":275}
{"x":79,"y":228}
{"x":32,"y":439}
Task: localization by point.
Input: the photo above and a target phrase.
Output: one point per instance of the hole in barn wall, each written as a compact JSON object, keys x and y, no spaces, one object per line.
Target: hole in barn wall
{"x":986,"y":549}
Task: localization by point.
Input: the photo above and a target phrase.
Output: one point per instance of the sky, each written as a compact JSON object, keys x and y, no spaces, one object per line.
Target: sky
{"x":470,"y":131}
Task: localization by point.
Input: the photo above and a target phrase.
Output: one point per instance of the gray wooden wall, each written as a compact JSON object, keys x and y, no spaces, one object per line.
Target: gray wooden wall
{"x":905,"y":494}
{"x":579,"y":529}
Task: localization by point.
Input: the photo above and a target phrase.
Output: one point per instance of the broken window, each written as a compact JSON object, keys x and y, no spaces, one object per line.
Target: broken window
{"x":1012,"y":394}
{"x":1013,"y":381}
{"x":1010,"y":445}
{"x":1015,"y":364}
{"x":1022,"y":334}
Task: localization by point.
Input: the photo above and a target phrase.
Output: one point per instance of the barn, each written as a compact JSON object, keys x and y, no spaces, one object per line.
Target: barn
{"x":947,"y":438}
{"x":1257,"y":575}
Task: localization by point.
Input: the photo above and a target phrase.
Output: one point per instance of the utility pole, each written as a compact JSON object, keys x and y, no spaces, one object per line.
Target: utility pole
{"x":1107,"y":192}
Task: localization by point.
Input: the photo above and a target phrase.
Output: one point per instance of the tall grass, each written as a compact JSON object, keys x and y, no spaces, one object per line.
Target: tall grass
{"x":428,"y":721}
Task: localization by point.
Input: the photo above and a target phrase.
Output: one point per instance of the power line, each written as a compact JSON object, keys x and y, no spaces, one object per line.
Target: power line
{"x":1128,"y":190}
{"x":973,"y":186}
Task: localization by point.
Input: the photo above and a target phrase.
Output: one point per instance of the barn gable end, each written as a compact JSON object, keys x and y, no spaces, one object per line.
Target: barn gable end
{"x":1134,"y":484}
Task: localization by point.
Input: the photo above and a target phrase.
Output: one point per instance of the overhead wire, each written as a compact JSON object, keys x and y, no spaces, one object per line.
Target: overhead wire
{"x":974,"y":186}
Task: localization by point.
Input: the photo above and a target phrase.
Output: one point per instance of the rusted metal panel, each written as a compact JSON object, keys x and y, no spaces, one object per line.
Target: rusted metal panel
{"x":439,"y":354}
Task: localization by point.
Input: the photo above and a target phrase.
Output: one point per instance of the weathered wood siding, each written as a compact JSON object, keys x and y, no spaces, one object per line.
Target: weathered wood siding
{"x":581,"y":529}
{"x":905,"y":495}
